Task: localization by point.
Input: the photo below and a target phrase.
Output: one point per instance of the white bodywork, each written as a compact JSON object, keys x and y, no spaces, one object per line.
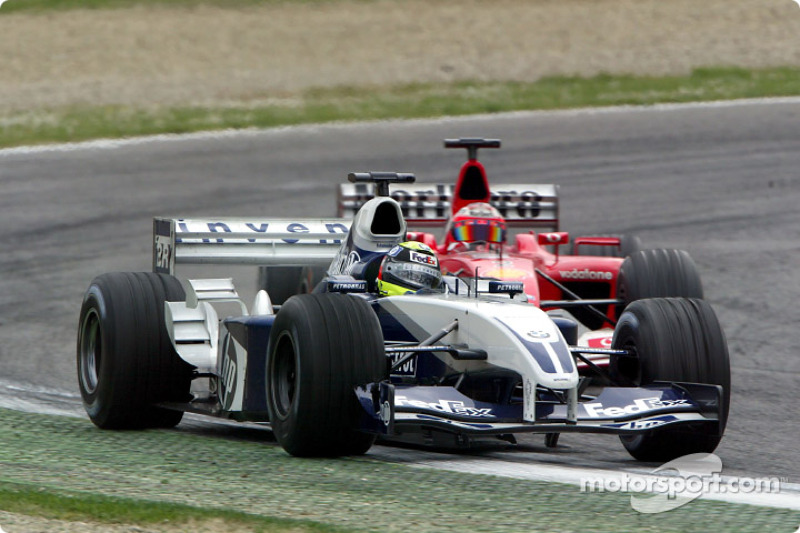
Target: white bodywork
{"x":514,"y":335}
{"x":240,"y":241}
{"x":508,"y":331}
{"x":367,"y":238}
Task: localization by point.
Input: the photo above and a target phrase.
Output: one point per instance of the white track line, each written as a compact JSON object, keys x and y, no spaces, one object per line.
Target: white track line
{"x":43,"y":400}
{"x":787,"y":498}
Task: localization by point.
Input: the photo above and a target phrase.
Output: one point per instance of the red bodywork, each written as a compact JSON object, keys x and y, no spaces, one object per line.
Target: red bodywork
{"x":529,"y":258}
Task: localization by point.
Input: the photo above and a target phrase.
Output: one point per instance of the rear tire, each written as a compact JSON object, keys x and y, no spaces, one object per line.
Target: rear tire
{"x":126,"y":362}
{"x":658,"y":274}
{"x":675,"y":339}
{"x":281,"y":283}
{"x":321,"y":347}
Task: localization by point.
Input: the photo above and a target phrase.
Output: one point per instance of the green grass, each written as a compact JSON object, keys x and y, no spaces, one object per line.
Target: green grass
{"x":75,"y":507}
{"x":67,"y":469}
{"x":410,"y":101}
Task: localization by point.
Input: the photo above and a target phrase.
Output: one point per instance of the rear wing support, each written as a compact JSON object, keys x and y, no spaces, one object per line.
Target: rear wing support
{"x":246,"y":241}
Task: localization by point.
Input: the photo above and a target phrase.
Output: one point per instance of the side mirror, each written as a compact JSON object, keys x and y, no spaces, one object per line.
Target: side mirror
{"x":506,"y":287}
{"x":346,"y":286}
{"x":556,"y":238}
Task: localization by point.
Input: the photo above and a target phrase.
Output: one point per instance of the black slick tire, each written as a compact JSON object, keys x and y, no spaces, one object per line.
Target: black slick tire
{"x":321,"y":347}
{"x":678,"y":340}
{"x":660,"y":273}
{"x":126,"y":362}
{"x":281,"y":283}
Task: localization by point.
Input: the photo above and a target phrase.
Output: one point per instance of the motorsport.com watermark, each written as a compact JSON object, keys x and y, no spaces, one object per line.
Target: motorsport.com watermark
{"x":688,"y":478}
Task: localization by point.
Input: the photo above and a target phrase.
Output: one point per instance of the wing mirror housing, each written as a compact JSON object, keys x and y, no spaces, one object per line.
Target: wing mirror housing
{"x":553,"y":238}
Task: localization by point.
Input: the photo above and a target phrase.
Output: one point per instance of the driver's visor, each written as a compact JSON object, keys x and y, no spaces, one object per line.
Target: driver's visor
{"x":479,"y":230}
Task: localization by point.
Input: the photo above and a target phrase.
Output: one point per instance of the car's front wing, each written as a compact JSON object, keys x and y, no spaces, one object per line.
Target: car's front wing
{"x":620,"y":410}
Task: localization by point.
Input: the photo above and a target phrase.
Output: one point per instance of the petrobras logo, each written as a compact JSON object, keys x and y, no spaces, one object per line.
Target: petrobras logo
{"x":424,"y":259}
{"x":347,"y":286}
{"x":585,"y":274}
{"x":506,"y":287}
{"x":453,"y":407}
{"x":641,"y":405}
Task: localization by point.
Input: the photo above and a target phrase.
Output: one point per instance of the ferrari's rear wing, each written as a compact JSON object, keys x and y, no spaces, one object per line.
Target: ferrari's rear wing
{"x":246,"y":241}
{"x":522,"y":205}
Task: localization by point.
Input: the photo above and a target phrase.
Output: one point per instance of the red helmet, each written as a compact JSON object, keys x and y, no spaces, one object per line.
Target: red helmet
{"x":478,"y":221}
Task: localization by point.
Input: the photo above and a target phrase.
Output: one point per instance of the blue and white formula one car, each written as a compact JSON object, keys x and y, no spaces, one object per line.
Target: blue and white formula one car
{"x":462,"y":362}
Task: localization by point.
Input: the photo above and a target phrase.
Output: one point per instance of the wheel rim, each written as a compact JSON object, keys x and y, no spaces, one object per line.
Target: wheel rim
{"x":283,"y":379}
{"x":90,"y":351}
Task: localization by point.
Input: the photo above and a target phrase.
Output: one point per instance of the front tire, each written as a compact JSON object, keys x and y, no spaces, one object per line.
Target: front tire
{"x":321,"y":347}
{"x":125,"y":359}
{"x":679,"y":340}
{"x":658,"y":274}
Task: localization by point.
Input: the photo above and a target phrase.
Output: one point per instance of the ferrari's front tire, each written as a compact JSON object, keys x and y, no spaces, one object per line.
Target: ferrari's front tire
{"x":677,"y":340}
{"x":660,"y":273}
{"x":321,"y":347}
{"x":126,"y":362}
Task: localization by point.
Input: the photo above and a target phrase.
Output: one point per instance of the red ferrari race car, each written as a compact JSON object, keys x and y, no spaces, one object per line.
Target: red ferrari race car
{"x":594,"y":277}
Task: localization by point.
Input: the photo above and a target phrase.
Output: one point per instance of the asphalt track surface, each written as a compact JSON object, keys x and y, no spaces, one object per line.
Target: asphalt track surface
{"x":721,"y":181}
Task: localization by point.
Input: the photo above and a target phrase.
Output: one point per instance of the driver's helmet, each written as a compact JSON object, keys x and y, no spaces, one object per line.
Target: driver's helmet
{"x":409,"y":266}
{"x":478,"y":221}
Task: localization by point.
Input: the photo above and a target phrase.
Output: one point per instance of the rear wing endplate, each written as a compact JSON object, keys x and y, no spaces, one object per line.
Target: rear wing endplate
{"x":522,"y":205}
{"x":246,"y":241}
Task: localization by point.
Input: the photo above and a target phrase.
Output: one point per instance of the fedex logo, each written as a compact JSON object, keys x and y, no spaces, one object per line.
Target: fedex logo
{"x":424,"y":259}
{"x":641,"y":405}
{"x":443,"y":406}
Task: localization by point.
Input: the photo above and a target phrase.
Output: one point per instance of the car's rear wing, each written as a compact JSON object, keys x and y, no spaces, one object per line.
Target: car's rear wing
{"x":522,"y":205}
{"x":246,"y":241}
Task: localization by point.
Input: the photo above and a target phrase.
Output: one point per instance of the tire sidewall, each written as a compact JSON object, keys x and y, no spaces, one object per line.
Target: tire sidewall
{"x":284,"y":426}
{"x":336,"y":344}
{"x":138,"y":366}
{"x":95,"y":401}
